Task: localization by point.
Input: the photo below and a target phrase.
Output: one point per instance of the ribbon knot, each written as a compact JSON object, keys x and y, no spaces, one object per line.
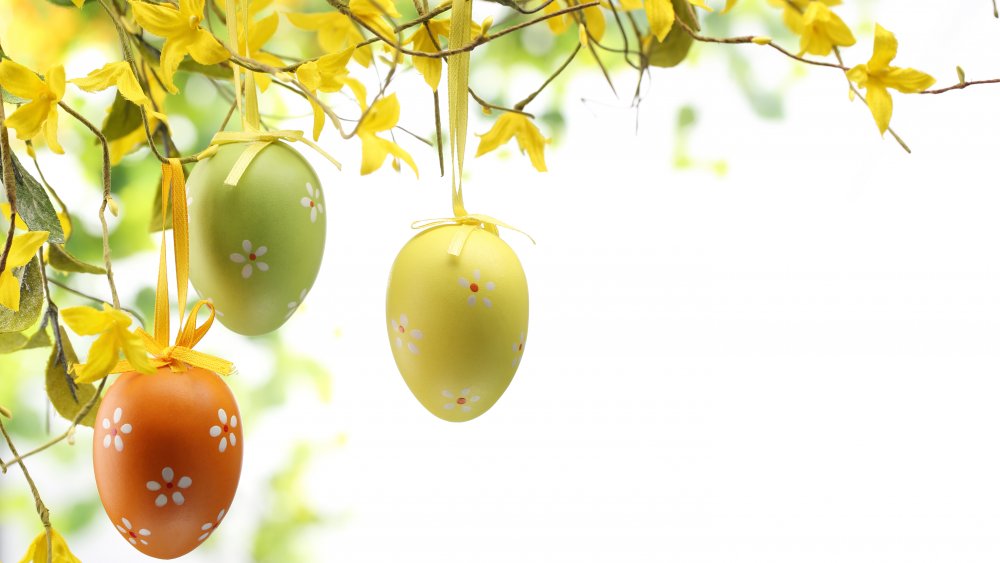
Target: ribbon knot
{"x":470,"y":222}
{"x":257,"y":141}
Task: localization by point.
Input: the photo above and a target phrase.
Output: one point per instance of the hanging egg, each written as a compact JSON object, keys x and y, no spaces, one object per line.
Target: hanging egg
{"x":256,"y":249}
{"x":457,"y":324}
{"x":168,"y":449}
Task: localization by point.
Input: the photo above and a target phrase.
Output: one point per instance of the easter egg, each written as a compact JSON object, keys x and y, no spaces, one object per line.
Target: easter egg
{"x":168,"y":449}
{"x":457,"y":324}
{"x":256,"y":248}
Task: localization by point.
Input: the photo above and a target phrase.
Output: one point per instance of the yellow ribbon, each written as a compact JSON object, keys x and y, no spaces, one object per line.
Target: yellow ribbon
{"x":258,"y":140}
{"x":458,"y":126}
{"x":246,"y":101}
{"x":179,"y":355}
{"x":470,"y":222}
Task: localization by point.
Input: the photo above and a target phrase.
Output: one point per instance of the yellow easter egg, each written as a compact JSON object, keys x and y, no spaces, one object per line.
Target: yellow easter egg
{"x":457,"y":324}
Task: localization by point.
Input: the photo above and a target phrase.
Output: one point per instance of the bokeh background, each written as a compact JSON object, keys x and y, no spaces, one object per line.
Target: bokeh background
{"x":760,"y":332}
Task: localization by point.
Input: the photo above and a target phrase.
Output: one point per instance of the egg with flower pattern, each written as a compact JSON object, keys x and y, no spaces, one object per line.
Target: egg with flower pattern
{"x":168,"y":451}
{"x":457,"y":324}
{"x":256,"y":248}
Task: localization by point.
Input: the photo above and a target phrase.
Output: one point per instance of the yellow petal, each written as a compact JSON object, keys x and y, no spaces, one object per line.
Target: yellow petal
{"x":319,"y":118}
{"x":594,"y":20}
{"x":660,"y":14}
{"x":429,"y":68}
{"x":880,"y":104}
{"x":262,"y":30}
{"x":86,"y":321}
{"x":159,"y":19}
{"x":10,"y":290}
{"x":519,"y":126}
{"x":28,"y":120}
{"x":134,"y":351}
{"x":907,"y":80}
{"x":557,"y":24}
{"x":884,"y":51}
{"x":38,"y":551}
{"x":114,"y":74}
{"x":701,"y":4}
{"x":383,"y":115}
{"x":20,"y":80}
{"x":858,"y":75}
{"x":729,"y":6}
{"x":502,"y":131}
{"x":373,"y":153}
{"x":206,"y":49}
{"x":51,"y":130}
{"x":5,"y":214}
{"x":101,"y":359}
{"x":170,"y":58}
{"x":55,"y":79}
{"x":24,"y":247}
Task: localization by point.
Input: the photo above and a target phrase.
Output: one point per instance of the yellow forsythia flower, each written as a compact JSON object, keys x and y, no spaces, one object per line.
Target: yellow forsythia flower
{"x":591,"y":20}
{"x":373,"y":13}
{"x":38,"y":550}
{"x":326,"y":74}
{"x":515,"y":125}
{"x":41,"y":112}
{"x":794,"y":10}
{"x":115,"y":338}
{"x":877,"y":76}
{"x":118,"y":75}
{"x":383,"y":116}
{"x":822,"y":30}
{"x":336,"y":33}
{"x":22,"y":250}
{"x":430,"y":68}
{"x":181,"y":27}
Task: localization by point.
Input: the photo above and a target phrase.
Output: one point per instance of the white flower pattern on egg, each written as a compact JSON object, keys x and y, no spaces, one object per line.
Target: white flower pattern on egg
{"x":406,"y":335}
{"x":169,"y":487}
{"x":134,"y":537}
{"x":226,"y":429}
{"x":462,"y":401}
{"x":115,"y":431}
{"x":311,"y":202}
{"x":294,"y":305}
{"x":208,"y":527}
{"x":475,"y":287}
{"x":249,"y":258}
{"x":518,"y":349}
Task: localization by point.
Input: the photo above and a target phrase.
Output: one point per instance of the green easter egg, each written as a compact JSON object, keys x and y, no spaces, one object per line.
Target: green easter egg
{"x":256,"y":249}
{"x":457,"y":324}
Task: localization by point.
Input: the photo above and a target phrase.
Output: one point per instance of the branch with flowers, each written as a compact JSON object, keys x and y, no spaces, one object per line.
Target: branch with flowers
{"x":359,"y":48}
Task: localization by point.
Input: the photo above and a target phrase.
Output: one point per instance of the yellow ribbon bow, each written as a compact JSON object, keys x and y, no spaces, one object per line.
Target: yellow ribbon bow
{"x":179,"y":355}
{"x":258,"y":140}
{"x":470,"y":222}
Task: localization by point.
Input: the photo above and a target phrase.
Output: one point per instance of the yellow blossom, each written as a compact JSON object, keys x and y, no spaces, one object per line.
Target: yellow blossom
{"x":181,"y":27}
{"x":877,"y":76}
{"x":430,"y":42}
{"x":794,"y":10}
{"x":38,"y":551}
{"x":822,"y":30}
{"x":120,"y":76}
{"x":383,"y":116}
{"x":373,"y":13}
{"x":115,"y":339}
{"x":260,"y":32}
{"x":22,"y":250}
{"x":326,"y":74}
{"x":515,"y":125}
{"x":336,"y":33}
{"x":41,"y":111}
{"x":591,"y":21}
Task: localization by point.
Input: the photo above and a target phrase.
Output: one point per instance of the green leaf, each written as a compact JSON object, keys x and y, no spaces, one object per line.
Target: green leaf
{"x":33,"y":205}
{"x":211,"y":71}
{"x":675,"y":46}
{"x":62,"y":260}
{"x":38,"y":340}
{"x":66,"y":396}
{"x":32,"y":299}
{"x":124,"y":118}
{"x":12,"y":342}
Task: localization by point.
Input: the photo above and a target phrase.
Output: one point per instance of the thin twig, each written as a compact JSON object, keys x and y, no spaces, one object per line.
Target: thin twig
{"x":43,"y":512}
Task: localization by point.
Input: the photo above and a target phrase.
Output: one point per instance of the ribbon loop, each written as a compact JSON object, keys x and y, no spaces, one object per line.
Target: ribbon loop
{"x":258,"y":141}
{"x":471,"y":222}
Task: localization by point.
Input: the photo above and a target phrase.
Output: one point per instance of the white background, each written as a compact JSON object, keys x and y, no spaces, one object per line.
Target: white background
{"x":796,"y":362}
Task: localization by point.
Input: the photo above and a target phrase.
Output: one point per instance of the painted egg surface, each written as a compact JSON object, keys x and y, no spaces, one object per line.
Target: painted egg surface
{"x":457,"y":324}
{"x":168,"y":450}
{"x":256,"y":249}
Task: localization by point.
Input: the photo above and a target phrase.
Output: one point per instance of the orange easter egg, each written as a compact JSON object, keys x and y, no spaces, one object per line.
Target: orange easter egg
{"x":168,"y":450}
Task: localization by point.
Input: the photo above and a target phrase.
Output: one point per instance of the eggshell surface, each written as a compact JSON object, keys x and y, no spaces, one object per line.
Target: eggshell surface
{"x":256,"y":249}
{"x":457,"y":324}
{"x":168,"y":451}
